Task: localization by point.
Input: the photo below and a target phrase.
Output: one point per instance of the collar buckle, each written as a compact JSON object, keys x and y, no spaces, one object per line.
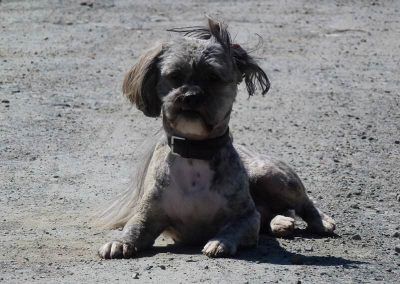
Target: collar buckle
{"x":173,"y":138}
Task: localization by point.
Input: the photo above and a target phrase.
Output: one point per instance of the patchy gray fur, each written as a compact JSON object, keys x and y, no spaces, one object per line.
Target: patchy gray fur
{"x":221,"y":202}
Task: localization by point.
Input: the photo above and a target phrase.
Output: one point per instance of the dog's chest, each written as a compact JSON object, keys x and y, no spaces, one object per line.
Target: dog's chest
{"x":190,"y":197}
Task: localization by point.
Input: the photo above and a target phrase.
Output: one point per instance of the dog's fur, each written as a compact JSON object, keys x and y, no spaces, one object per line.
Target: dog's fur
{"x":222,"y":202}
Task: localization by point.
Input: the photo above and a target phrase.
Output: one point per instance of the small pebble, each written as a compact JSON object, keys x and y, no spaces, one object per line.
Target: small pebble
{"x":89,"y":4}
{"x":162,"y":267}
{"x":136,"y":275}
{"x":397,"y":249}
{"x":308,"y":248}
{"x":356,"y":237}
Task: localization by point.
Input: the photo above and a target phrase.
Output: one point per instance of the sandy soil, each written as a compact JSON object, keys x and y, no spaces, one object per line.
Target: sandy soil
{"x":69,"y":140}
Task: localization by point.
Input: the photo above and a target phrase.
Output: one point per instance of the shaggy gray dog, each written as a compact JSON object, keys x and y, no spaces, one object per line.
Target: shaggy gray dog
{"x":195,"y":185}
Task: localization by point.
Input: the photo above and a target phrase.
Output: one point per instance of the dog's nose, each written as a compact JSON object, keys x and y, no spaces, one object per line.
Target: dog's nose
{"x":192,"y":100}
{"x":193,"y":97}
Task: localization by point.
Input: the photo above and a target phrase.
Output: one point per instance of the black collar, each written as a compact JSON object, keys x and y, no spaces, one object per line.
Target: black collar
{"x":198,"y":149}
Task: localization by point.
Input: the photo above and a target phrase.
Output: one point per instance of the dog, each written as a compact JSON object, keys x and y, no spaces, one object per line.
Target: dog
{"x":195,"y":185}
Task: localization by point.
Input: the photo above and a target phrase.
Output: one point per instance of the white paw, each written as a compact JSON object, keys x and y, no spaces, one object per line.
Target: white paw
{"x":219,"y":248}
{"x":329,"y":224}
{"x":324,"y":226}
{"x":282,"y":226}
{"x":116,"y":249}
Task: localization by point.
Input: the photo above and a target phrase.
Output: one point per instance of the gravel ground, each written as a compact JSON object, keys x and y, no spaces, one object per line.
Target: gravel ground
{"x":69,"y":140}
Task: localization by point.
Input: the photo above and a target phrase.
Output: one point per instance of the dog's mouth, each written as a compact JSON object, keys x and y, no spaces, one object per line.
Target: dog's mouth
{"x":190,"y":114}
{"x":191,"y":124}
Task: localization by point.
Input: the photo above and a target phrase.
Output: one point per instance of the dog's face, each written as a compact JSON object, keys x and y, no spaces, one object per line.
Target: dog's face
{"x":198,"y":82}
{"x":193,"y":81}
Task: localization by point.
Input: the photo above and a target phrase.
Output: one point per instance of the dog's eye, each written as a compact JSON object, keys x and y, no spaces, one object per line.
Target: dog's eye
{"x":175,"y":77}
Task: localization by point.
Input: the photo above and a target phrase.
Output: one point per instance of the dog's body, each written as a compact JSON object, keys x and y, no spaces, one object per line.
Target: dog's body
{"x":219,"y":194}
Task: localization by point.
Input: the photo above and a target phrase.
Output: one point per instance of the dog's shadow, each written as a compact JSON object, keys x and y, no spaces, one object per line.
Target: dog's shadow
{"x":269,"y":250}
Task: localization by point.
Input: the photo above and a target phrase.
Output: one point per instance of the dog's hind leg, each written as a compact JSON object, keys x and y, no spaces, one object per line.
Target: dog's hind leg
{"x":281,"y":225}
{"x":280,"y":192}
{"x":275,"y":189}
{"x":317,"y":221}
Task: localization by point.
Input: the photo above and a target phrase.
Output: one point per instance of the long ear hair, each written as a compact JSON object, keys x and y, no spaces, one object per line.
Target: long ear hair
{"x":219,"y":31}
{"x":140,"y":83}
{"x":251,"y":72}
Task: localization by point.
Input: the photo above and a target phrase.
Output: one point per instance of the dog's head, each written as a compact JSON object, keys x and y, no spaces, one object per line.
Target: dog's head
{"x":193,"y":81}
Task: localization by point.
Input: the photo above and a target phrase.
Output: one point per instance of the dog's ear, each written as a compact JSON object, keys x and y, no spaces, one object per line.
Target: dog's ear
{"x":140,"y":83}
{"x":219,"y":31}
{"x":248,"y":68}
{"x":250,"y":71}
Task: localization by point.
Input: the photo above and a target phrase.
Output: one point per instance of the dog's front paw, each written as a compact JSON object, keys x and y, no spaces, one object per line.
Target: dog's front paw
{"x":116,"y":249}
{"x":219,"y":248}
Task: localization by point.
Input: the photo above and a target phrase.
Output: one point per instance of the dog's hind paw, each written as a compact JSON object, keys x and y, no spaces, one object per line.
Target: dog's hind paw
{"x":324,"y":226}
{"x":282,"y":226}
{"x":116,"y":249}
{"x":219,"y":248}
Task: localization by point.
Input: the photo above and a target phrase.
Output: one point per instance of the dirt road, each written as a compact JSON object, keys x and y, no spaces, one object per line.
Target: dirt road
{"x":69,"y":140}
